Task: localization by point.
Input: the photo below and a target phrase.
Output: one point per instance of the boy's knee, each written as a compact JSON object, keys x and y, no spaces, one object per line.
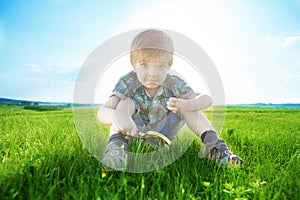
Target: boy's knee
{"x":127,"y":105}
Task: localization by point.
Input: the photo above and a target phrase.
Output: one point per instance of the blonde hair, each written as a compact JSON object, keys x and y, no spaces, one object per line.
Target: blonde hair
{"x":151,"y":46}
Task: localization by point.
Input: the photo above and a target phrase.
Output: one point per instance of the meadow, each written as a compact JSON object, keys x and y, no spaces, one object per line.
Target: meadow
{"x":43,"y":157}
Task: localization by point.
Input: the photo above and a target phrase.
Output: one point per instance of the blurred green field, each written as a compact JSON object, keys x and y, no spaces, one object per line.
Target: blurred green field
{"x":42,"y":157}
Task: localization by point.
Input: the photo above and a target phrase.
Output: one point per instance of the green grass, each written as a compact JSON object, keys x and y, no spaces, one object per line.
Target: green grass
{"x":42,"y":157}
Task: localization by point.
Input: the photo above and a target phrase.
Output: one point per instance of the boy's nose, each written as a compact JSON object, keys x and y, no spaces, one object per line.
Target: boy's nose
{"x":152,"y":71}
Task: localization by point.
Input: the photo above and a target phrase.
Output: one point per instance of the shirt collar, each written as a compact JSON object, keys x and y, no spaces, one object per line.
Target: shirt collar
{"x":158,"y":93}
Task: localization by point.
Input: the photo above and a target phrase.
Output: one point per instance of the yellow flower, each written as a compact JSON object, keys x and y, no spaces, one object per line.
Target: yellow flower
{"x":103,"y":174}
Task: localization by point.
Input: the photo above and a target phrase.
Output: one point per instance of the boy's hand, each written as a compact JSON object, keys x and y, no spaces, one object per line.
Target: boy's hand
{"x":123,"y":123}
{"x":175,"y":105}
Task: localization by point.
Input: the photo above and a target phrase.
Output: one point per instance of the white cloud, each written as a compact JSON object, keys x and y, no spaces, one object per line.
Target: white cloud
{"x":33,"y":67}
{"x":291,"y":40}
{"x":291,"y":78}
{"x":59,"y":67}
{"x":62,"y":67}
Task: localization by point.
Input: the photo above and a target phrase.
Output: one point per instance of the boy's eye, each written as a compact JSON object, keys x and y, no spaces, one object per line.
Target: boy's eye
{"x":144,"y":65}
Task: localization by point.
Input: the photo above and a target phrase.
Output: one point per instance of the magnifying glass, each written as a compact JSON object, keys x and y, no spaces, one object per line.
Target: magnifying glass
{"x":156,"y":139}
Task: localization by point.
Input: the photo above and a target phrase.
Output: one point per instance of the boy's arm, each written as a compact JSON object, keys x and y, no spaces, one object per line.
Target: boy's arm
{"x":118,"y":115}
{"x":105,"y":113}
{"x":195,"y":102}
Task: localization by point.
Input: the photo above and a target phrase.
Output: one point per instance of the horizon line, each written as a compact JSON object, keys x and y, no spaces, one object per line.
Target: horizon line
{"x":68,"y":102}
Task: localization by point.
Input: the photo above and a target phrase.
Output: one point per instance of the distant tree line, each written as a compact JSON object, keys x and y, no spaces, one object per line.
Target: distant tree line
{"x":17,"y":102}
{"x":42,"y":108}
{"x":40,"y":103}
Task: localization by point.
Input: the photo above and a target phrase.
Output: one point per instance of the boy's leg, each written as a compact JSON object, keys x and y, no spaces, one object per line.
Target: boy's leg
{"x":214,"y":148}
{"x":126,"y":106}
{"x":115,"y":155}
{"x":197,"y":122}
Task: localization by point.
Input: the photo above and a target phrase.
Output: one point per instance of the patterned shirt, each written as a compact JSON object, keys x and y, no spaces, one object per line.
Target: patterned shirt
{"x":152,"y":109}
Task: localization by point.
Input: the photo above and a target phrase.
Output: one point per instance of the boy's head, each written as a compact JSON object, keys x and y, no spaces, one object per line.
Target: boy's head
{"x":152,"y":46}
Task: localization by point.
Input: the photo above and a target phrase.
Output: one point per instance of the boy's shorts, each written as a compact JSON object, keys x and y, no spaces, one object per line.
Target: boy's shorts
{"x":168,"y":126}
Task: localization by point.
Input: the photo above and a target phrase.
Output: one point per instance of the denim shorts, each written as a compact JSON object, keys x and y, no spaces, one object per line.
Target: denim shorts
{"x":169,"y":126}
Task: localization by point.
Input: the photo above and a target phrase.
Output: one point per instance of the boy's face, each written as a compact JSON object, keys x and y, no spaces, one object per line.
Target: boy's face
{"x":151,"y":75}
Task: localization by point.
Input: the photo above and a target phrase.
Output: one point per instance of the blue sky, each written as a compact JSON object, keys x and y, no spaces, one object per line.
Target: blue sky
{"x":255,"y":45}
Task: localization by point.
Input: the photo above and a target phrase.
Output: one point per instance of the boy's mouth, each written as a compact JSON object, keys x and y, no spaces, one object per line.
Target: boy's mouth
{"x":152,"y":80}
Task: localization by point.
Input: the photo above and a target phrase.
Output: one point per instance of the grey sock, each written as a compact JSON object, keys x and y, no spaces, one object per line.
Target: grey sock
{"x":209,"y":137}
{"x":119,"y":139}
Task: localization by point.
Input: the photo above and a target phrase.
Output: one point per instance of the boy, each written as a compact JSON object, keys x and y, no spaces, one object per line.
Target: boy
{"x":150,"y":99}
